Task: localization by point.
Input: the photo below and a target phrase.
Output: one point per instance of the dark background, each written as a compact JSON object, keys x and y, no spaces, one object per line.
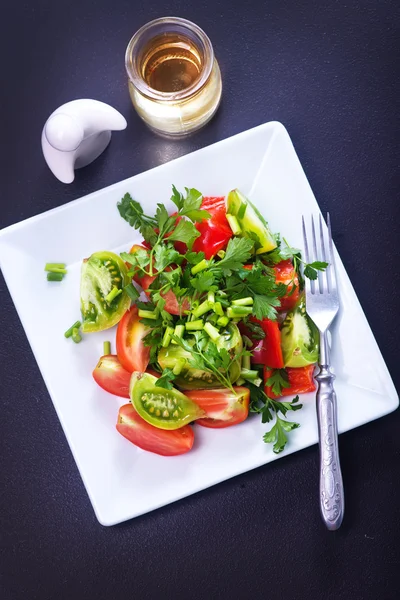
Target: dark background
{"x":327,"y":71}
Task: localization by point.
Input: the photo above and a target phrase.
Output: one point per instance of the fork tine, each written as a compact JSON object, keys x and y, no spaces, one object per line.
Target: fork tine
{"x":332,"y":266}
{"x":323,"y":253}
{"x":306,"y":254}
{"x":309,"y":283}
{"x":320,"y":282}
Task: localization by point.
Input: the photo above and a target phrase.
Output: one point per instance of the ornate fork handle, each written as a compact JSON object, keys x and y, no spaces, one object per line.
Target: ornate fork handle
{"x":331,"y":484}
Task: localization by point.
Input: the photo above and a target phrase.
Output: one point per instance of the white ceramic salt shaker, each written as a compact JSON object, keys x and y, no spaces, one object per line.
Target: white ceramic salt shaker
{"x":76,"y":134}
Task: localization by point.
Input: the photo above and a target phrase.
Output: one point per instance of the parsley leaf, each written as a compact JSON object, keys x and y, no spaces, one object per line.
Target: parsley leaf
{"x":132,"y":212}
{"x":261,"y":286}
{"x":264,"y":307}
{"x":289,"y":252}
{"x":189,"y":206}
{"x":177,"y":198}
{"x":267,"y":407}
{"x":237,"y":252}
{"x":172,"y":278}
{"x":140,"y":258}
{"x":164,"y":255}
{"x":162,"y":216}
{"x":194,"y":258}
{"x":277,"y":434}
{"x":278,"y":380}
{"x":165,"y":380}
{"x":185,"y":232}
{"x":203,"y":281}
{"x":310,"y":269}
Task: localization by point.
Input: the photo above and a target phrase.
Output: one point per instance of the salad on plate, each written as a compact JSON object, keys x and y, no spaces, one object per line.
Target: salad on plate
{"x":211,"y":322}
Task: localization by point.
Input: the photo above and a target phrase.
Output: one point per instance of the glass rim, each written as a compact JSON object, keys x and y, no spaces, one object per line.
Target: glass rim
{"x":136,"y":77}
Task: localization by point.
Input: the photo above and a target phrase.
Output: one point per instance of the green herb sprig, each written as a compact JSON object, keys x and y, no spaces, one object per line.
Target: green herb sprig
{"x":268,"y":408}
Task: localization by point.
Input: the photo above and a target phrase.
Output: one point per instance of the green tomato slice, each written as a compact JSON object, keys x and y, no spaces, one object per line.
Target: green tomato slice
{"x":299,"y":338}
{"x":165,"y":409}
{"x":100,"y":273}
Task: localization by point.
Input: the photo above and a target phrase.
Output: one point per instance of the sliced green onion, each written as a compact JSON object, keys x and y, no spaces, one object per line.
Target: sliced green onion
{"x":249,"y":375}
{"x":57,"y":270}
{"x":218,"y":309}
{"x":167,"y":337}
{"x":178,"y":331}
{"x":223,"y":321}
{"x":211,"y":297}
{"x":212,"y":318}
{"x":76,"y":325}
{"x":180,"y":363}
{"x":221,"y":254}
{"x":240,"y":381}
{"x":76,"y":336}
{"x":113,"y":294}
{"x":55,"y":276}
{"x":106,"y":348}
{"x":234,"y":224}
{"x":224,"y":302}
{"x":237,"y":312}
{"x":194,"y":325}
{"x":246,"y":364}
{"x":132,"y":292}
{"x":51,"y":266}
{"x":243,"y":301}
{"x":202,"y":309}
{"x":147,"y":314}
{"x":211,"y":331}
{"x":203,"y":264}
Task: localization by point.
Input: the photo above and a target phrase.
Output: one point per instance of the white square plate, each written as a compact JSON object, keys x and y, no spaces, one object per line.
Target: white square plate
{"x":122,"y":480}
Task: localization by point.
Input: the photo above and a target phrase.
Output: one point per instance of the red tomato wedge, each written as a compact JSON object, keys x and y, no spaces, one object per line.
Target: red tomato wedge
{"x":171,"y":301}
{"x":222,"y":407}
{"x":285,"y":273}
{"x":267,"y":351}
{"x":131,"y":351}
{"x":111,"y":376}
{"x":300,"y":379}
{"x":215,"y":231}
{"x":150,"y":438}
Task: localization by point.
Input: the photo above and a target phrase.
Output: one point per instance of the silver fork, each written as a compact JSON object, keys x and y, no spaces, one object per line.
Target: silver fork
{"x":322,"y":304}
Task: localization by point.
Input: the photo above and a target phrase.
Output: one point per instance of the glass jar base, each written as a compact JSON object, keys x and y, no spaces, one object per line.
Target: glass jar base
{"x":181,"y":134}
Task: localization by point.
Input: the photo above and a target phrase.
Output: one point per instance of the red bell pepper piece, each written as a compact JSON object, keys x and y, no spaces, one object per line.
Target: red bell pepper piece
{"x":215,"y":231}
{"x":300,"y":379}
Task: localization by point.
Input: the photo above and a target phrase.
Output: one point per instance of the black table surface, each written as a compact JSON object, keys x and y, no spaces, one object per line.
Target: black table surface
{"x":327,"y":71}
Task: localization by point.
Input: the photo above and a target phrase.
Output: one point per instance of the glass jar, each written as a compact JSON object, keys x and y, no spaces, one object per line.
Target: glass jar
{"x":174,"y":78}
